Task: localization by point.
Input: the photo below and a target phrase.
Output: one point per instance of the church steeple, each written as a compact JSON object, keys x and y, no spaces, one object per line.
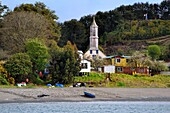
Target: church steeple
{"x":94,"y":28}
{"x":94,"y":35}
{"x":94,"y":22}
{"x":94,"y":50}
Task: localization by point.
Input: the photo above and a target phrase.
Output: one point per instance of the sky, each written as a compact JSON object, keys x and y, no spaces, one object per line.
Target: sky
{"x":75,"y":9}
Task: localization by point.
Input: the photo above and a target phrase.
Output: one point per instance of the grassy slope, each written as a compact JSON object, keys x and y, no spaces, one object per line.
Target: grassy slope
{"x":123,"y":80}
{"x":164,"y":40}
{"x":133,"y":45}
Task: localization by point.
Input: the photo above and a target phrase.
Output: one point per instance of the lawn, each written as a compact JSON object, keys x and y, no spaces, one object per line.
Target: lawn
{"x":124,"y":80}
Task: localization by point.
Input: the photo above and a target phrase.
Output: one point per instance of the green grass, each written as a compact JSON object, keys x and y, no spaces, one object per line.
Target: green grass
{"x":7,"y":86}
{"x":116,"y":80}
{"x":93,"y":77}
{"x":124,"y":80}
{"x":28,"y":86}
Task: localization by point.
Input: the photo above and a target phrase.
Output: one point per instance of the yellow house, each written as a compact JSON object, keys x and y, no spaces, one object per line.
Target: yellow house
{"x":122,"y":66}
{"x":120,"y":61}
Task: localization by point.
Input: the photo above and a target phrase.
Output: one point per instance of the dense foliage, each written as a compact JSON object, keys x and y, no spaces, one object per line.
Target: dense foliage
{"x":3,"y":74}
{"x":38,"y":53}
{"x":124,"y":29}
{"x":154,"y":51}
{"x":64,"y":63}
{"x":75,"y":32}
{"x":3,"y":11}
{"x":19,"y":66}
{"x":20,"y":26}
{"x":42,"y":9}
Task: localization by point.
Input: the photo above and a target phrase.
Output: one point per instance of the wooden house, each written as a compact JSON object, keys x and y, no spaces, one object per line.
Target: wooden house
{"x":121,"y":64}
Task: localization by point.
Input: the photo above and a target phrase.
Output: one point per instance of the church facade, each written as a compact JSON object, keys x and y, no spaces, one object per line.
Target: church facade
{"x":94,"y":51}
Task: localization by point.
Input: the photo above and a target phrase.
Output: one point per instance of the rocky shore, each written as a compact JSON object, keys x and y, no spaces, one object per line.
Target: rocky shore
{"x":8,"y":95}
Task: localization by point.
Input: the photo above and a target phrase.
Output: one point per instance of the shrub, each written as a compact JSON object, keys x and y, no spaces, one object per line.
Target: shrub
{"x":3,"y":81}
{"x":18,"y":65}
{"x":121,"y":84}
{"x":11,"y":80}
{"x":36,"y":79}
{"x":168,"y":85}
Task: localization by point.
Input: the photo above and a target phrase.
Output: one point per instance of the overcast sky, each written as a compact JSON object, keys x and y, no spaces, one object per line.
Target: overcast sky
{"x":74,"y":9}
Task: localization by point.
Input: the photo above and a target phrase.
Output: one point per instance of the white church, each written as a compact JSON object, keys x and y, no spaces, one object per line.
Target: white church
{"x":94,"y":51}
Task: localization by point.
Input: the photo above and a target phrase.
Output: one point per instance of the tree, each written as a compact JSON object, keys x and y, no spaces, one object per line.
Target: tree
{"x":154,"y":51}
{"x":3,"y":11}
{"x":158,"y":66}
{"x":3,"y":74}
{"x":19,"y":66}
{"x":56,"y":55}
{"x":3,"y":54}
{"x":96,"y":63}
{"x":20,"y":26}
{"x":38,"y":7}
{"x":139,"y":59}
{"x":38,"y":53}
{"x":41,"y":8}
{"x":64,"y":63}
{"x":74,"y":32}
{"x":72,"y":66}
{"x":165,"y":50}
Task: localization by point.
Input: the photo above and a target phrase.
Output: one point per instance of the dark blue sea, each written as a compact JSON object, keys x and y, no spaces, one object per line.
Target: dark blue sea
{"x":86,"y":107}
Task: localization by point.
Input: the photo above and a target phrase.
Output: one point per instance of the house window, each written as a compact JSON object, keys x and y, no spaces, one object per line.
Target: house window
{"x":84,"y":65}
{"x":119,"y":69}
{"x":118,"y":60}
{"x":127,"y":60}
{"x":97,"y":51}
{"x":90,"y":51}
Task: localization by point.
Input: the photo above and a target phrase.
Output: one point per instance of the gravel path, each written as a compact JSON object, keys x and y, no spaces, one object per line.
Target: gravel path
{"x":77,"y":94}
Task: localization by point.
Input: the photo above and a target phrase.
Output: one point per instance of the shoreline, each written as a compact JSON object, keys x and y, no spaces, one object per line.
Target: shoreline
{"x":30,"y":95}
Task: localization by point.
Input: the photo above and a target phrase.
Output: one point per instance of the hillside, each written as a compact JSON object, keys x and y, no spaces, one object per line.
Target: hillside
{"x":124,"y":29}
{"x":127,"y":47}
{"x":164,"y":40}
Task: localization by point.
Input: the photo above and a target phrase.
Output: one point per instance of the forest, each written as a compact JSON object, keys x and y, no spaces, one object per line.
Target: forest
{"x":125,"y":27}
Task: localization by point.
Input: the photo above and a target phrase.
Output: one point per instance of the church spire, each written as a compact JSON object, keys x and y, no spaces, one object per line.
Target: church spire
{"x":94,"y":35}
{"x":94,"y":22}
{"x":94,"y":50}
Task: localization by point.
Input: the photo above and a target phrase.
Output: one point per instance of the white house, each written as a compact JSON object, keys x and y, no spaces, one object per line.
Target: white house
{"x":85,"y":66}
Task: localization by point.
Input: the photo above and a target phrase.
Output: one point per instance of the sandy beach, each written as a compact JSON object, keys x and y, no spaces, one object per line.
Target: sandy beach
{"x":9,"y":95}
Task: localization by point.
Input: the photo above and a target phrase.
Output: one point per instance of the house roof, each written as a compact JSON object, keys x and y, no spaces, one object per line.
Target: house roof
{"x":113,"y":56}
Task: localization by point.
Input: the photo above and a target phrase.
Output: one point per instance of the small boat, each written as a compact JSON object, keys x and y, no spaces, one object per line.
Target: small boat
{"x":89,"y":95}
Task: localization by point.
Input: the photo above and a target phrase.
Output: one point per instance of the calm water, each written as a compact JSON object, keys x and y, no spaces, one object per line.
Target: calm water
{"x":86,"y":107}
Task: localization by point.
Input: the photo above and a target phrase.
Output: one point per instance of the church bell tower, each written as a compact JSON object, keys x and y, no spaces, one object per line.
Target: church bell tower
{"x":94,"y":35}
{"x":94,"y":51}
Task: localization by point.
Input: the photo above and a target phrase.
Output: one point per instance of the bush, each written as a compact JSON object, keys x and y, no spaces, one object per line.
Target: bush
{"x":168,"y":85}
{"x":121,"y":84}
{"x":11,"y":80}
{"x":36,"y":79}
{"x":3,"y":81}
{"x":18,"y":65}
